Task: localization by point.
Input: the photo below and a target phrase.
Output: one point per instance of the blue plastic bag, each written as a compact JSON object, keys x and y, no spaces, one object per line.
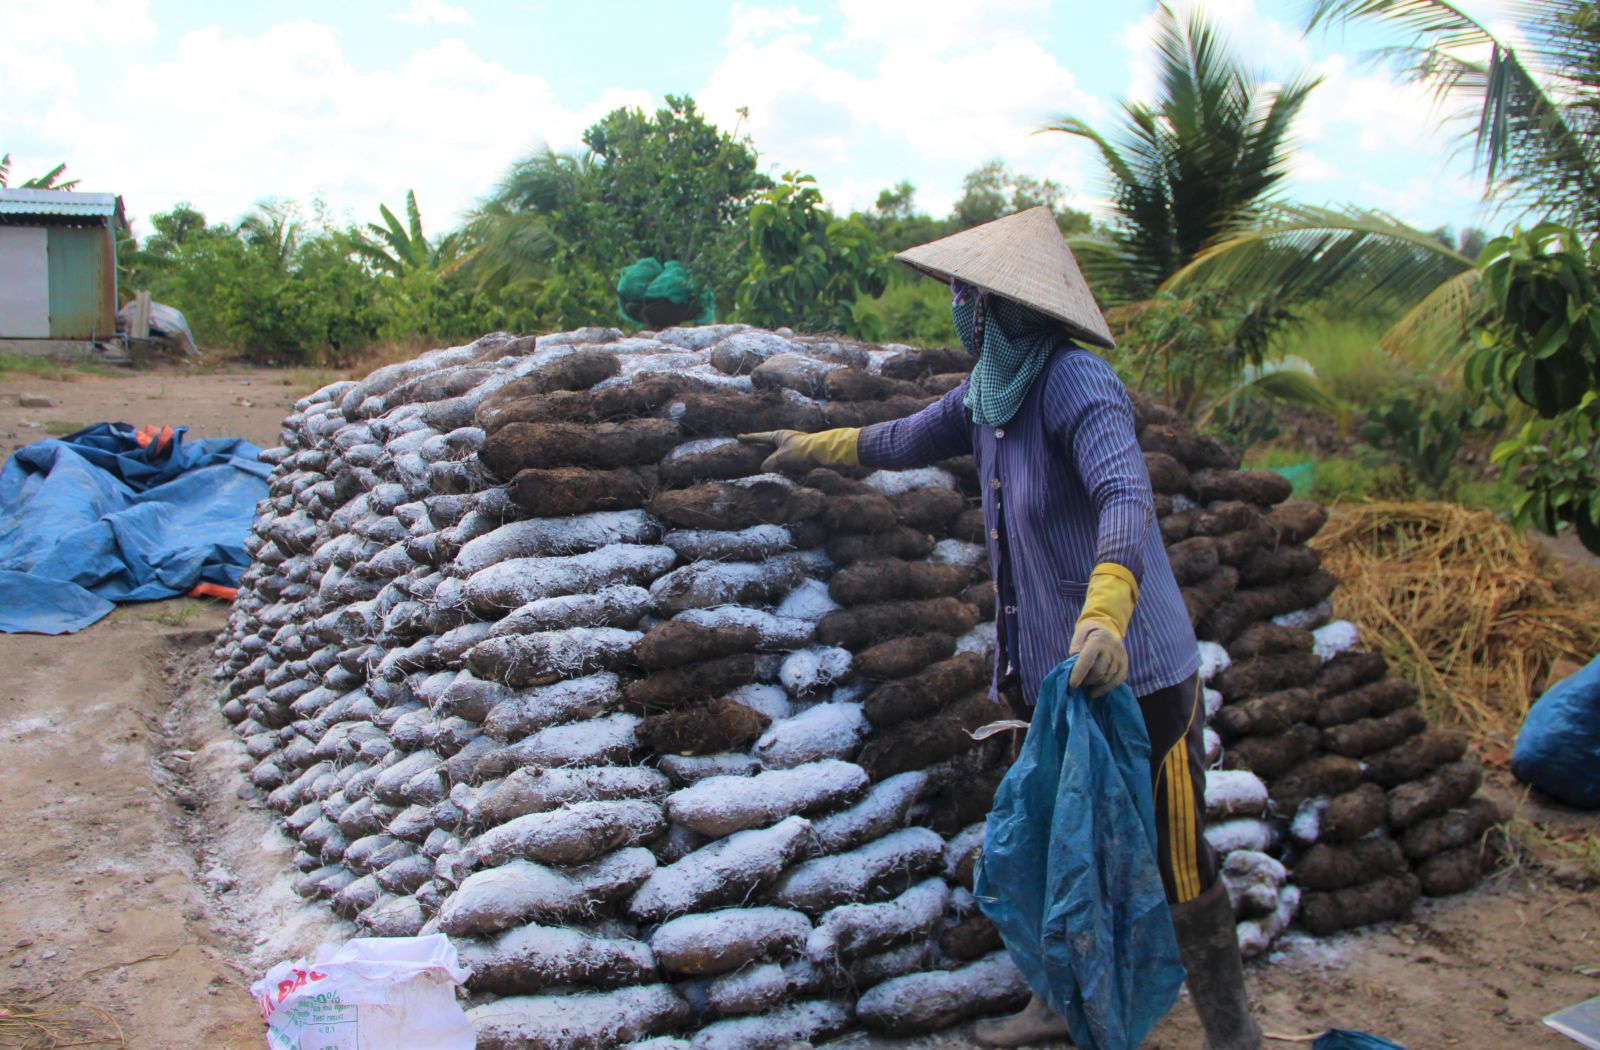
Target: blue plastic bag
{"x":1345,"y":1039}
{"x":1069,"y":873}
{"x":1558,"y":747}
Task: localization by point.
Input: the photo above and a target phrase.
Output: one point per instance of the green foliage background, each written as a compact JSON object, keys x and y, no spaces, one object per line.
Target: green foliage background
{"x":543,"y":252}
{"x":1262,"y":319}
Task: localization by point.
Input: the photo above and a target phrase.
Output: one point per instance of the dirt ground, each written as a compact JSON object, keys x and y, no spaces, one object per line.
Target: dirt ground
{"x":247,"y":404}
{"x":144,"y":889}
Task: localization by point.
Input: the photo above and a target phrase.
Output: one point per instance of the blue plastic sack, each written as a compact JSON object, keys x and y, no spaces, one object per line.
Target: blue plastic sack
{"x":1558,"y":746}
{"x":111,"y":515}
{"x":1069,"y":873}
{"x":1345,"y":1039}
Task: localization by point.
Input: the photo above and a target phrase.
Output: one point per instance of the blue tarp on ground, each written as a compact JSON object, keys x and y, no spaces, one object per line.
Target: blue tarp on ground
{"x":100,"y":517}
{"x":1068,"y":872}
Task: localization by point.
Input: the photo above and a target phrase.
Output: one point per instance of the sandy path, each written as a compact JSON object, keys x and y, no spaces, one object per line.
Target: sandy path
{"x":102,"y":904}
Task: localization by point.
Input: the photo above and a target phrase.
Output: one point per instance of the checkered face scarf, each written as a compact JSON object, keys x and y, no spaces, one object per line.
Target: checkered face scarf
{"x":1012,"y":344}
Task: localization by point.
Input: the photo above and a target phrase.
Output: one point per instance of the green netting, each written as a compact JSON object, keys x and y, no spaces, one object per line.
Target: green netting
{"x":1302,"y":476}
{"x":661,"y":295}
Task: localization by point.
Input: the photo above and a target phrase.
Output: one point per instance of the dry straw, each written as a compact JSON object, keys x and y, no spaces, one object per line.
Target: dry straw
{"x":1461,"y":605}
{"x":28,"y":1025}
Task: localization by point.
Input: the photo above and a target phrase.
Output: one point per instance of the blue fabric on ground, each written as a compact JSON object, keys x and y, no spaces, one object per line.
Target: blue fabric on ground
{"x":1069,"y":873}
{"x":1558,"y":746}
{"x":93,"y":519}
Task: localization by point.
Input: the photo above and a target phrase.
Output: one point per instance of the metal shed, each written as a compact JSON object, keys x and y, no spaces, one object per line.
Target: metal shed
{"x":58,"y":267}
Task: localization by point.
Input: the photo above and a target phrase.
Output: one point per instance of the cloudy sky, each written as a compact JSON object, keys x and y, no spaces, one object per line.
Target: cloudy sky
{"x":354,"y":102}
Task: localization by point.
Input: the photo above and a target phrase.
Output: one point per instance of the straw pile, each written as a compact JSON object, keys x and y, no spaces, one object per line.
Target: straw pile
{"x":1462,"y":605}
{"x":533,"y":655}
{"x":36,"y":1023}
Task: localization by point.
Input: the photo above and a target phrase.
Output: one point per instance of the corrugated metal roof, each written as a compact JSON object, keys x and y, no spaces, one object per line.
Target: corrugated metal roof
{"x":56,"y":202}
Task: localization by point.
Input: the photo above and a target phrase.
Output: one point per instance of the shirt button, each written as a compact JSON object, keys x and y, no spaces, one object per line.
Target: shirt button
{"x":994,"y":534}
{"x":1000,"y":432}
{"x":994,"y":483}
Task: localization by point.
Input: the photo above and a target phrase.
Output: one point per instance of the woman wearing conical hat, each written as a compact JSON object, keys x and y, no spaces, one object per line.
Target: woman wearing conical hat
{"x":1078,"y":561}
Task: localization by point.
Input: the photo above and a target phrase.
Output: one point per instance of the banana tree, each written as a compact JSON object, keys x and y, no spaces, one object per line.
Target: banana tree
{"x":397,"y":249}
{"x":50,"y":180}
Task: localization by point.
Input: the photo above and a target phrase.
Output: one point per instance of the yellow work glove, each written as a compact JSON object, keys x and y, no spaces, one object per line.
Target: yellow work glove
{"x":1097,"y":639}
{"x":798,"y":450}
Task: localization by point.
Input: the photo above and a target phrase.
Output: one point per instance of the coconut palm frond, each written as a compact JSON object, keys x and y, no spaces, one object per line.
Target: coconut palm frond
{"x":1438,"y":329}
{"x":1217,"y":141}
{"x":1303,"y":252}
{"x":1438,"y":20}
{"x":504,"y":247}
{"x":1292,"y":380}
{"x":1537,"y":131}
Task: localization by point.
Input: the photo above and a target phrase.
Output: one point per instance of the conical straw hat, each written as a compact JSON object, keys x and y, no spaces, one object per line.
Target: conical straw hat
{"x":1024,"y":258}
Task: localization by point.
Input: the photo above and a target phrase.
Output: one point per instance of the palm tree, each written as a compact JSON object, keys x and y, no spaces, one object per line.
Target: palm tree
{"x":1537,"y":132}
{"x":1536,"y":140}
{"x":1215,"y":145}
{"x":508,"y":239}
{"x":1349,"y":258}
{"x":274,"y":229}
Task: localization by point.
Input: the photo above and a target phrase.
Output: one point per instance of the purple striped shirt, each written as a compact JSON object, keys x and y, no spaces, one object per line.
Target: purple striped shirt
{"x":1064,"y":489}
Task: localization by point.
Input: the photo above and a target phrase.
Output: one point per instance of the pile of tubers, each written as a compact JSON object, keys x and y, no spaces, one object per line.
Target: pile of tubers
{"x":680,"y":753}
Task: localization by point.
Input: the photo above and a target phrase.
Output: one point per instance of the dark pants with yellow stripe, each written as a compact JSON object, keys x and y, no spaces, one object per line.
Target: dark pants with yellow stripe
{"x":1174,"y":719}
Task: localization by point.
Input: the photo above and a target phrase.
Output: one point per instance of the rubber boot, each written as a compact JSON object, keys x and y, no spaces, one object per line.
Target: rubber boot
{"x":1209,"y":945}
{"x":1035,"y":1023}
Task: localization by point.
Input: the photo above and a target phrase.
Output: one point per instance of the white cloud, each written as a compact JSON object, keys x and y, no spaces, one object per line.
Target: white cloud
{"x":433,"y":12}
{"x":229,"y":114}
{"x":1417,"y":195}
{"x":806,"y":111}
{"x":758,"y":25}
{"x":937,"y":25}
{"x":1306,"y":167}
{"x":42,"y":39}
{"x":875,"y":92}
{"x":40,"y":23}
{"x":1262,"y":43}
{"x":41,"y":43}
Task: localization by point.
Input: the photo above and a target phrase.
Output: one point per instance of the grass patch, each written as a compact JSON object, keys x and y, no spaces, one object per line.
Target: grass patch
{"x":1365,"y":474}
{"x":1362,"y":475}
{"x":16,"y":366}
{"x":1346,"y":356}
{"x":309,"y":379}
{"x":179,"y":612}
{"x":1524,"y":843}
{"x":1265,"y":457}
